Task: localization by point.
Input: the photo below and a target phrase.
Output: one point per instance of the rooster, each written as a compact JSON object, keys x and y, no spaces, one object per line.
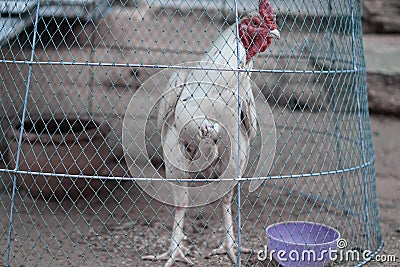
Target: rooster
{"x":256,"y":34}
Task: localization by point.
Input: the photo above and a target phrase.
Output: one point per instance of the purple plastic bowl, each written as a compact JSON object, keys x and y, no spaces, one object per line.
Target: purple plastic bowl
{"x":298,"y":243}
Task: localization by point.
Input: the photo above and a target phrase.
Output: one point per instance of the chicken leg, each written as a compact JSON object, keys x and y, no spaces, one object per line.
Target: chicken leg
{"x":228,"y":244}
{"x":176,"y":251}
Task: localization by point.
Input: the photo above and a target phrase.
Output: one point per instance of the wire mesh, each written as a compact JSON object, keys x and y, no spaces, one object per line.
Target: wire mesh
{"x":92,"y":174}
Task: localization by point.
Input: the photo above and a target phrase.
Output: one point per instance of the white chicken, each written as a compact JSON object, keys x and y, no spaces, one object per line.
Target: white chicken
{"x":187,"y":119}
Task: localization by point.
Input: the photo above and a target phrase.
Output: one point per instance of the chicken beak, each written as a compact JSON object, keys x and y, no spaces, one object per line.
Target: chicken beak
{"x":275,"y":33}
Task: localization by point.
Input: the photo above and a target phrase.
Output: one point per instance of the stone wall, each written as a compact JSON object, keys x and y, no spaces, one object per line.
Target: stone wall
{"x":381,"y":16}
{"x":381,"y":27}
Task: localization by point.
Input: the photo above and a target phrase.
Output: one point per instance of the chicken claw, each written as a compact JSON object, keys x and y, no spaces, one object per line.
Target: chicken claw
{"x":170,"y":257}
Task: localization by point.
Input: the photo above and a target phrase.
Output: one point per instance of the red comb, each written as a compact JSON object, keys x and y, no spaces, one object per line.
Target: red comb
{"x":267,"y":13}
{"x":254,"y":30}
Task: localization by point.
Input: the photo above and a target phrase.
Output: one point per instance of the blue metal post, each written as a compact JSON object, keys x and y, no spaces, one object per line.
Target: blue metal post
{"x":20,"y":136}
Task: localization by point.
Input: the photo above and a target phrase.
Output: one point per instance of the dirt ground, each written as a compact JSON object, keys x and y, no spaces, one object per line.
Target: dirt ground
{"x":123,"y":224}
{"x":386,"y":141}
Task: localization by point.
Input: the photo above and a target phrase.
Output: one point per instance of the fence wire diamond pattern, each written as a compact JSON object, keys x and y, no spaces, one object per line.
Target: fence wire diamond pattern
{"x":141,"y":133}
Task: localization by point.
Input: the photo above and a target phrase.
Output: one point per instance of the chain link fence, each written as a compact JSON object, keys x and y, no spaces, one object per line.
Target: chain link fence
{"x":142,"y":132}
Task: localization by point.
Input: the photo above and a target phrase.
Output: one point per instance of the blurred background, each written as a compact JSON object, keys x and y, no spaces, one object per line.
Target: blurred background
{"x":381,"y":27}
